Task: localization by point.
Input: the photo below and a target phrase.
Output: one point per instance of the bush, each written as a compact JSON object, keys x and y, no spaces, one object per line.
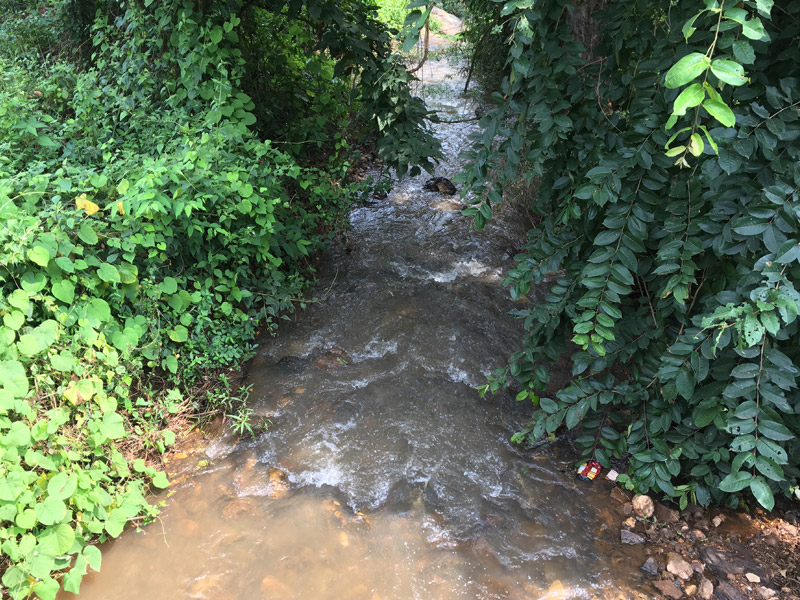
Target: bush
{"x":148,"y":231}
{"x":667,"y":237}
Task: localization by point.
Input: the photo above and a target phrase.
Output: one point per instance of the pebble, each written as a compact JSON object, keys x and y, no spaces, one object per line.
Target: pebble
{"x":668,"y":588}
{"x":717,"y":521}
{"x":628,"y":537}
{"x":650,"y":566}
{"x":690,"y":590}
{"x":706,"y":589}
{"x":630,"y":523}
{"x":766,"y":592}
{"x":677,"y":566}
{"x":752,"y":578}
{"x":643,"y":506}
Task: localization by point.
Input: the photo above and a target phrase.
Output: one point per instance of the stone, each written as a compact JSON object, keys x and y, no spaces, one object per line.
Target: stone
{"x":630,"y":523}
{"x":690,"y":590}
{"x":717,"y":521}
{"x":752,"y":578}
{"x":669,"y":589}
{"x":725,"y":591}
{"x":677,"y":566}
{"x":274,"y":589}
{"x":724,"y":564}
{"x":697,"y":566}
{"x":643,"y":506}
{"x":628,"y":537}
{"x":650,"y":566}
{"x":278,"y":483}
{"x":706,"y":589}
{"x":698,"y":535}
{"x":627,"y":509}
{"x":665,"y":514}
{"x":619,"y":495}
{"x":766,"y":592}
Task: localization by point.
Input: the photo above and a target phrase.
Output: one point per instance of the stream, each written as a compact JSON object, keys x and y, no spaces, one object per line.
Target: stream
{"x":383,"y":474}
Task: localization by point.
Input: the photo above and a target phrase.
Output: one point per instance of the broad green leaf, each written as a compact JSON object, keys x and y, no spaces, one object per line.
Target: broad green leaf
{"x":113,"y":425}
{"x":179,"y":334}
{"x":62,"y":485}
{"x":762,"y":492}
{"x":46,"y":589}
{"x":744,"y":52}
{"x":728,"y":71}
{"x":19,"y":299}
{"x":122,"y":187}
{"x":720,"y":112}
{"x":39,"y":255}
{"x":754,"y":29}
{"x":108,"y":273}
{"x":735,"y":482}
{"x":65,"y":537}
{"x":160,"y":480}
{"x":51,"y":511}
{"x":774,"y":431}
{"x":64,"y":290}
{"x":93,"y":557}
{"x":14,"y":320}
{"x":13,"y":378}
{"x":686,"y":69}
{"x":64,"y":361}
{"x":87,"y":234}
{"x":689,"y":98}
{"x":115,"y":522}
{"x":26,"y":519}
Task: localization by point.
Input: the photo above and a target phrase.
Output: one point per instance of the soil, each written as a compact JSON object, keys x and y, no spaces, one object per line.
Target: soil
{"x":742,"y":555}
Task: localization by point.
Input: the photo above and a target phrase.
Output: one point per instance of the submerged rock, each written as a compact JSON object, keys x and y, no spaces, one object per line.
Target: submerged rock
{"x":441,"y":185}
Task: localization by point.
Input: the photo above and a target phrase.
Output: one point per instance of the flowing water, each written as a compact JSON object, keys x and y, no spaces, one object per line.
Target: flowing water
{"x":383,"y":474}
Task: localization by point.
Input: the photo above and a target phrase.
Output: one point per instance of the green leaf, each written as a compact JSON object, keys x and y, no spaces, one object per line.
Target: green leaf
{"x":179,"y":334}
{"x":735,"y":482}
{"x":65,"y":537}
{"x":87,"y":234}
{"x":113,"y":425}
{"x":754,"y":29}
{"x":51,"y":511}
{"x":169,"y":285}
{"x":686,"y":69}
{"x":774,"y":431}
{"x":14,"y":320}
{"x":762,"y":492}
{"x":93,"y":557}
{"x":46,"y":589}
{"x":720,"y":112}
{"x":115,"y":522}
{"x":39,"y":255}
{"x":122,"y":187}
{"x":64,"y":361}
{"x":744,"y":52}
{"x":13,"y":378}
{"x":62,"y":485}
{"x":64,"y":290}
{"x":108,"y":273}
{"x":728,"y":71}
{"x":160,"y":480}
{"x":689,"y":98}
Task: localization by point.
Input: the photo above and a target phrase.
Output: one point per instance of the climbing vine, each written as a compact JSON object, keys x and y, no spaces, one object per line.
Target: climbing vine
{"x":666,"y":237}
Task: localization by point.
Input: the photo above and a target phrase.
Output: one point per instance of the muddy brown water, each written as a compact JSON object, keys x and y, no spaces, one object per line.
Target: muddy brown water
{"x":384,"y":475}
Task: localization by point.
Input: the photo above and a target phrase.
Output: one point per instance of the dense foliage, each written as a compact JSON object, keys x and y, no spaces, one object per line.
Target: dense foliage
{"x":161,"y":196}
{"x":667,"y":236}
